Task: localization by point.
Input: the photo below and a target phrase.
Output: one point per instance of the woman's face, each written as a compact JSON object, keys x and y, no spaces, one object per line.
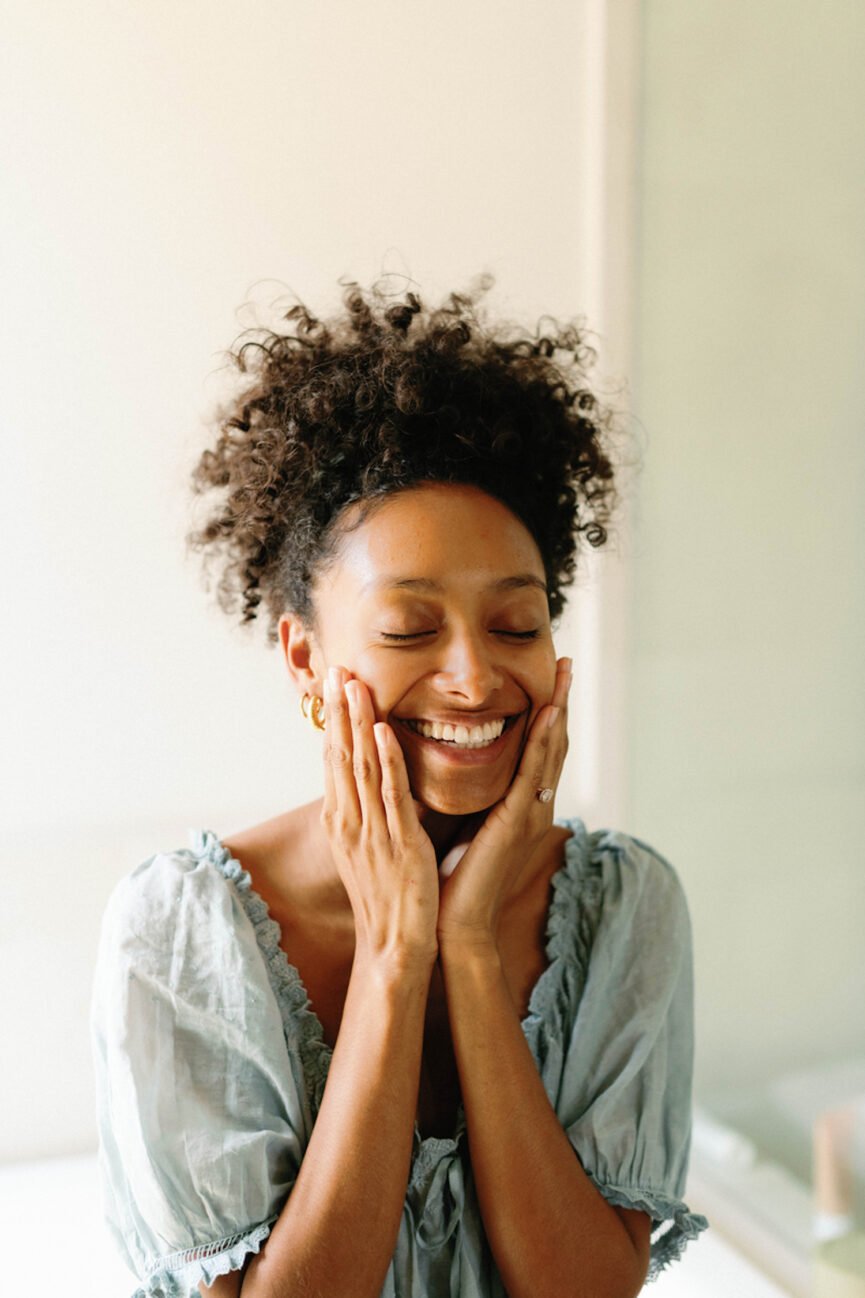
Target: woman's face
{"x":437,"y":602}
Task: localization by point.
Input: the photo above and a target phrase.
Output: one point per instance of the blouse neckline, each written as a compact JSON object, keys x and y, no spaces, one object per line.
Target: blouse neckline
{"x":303,"y":1028}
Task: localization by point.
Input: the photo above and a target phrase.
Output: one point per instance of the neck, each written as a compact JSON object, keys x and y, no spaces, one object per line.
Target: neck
{"x":445,"y":831}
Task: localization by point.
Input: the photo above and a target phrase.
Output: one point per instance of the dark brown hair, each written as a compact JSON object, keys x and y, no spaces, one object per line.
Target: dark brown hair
{"x":382,"y":397}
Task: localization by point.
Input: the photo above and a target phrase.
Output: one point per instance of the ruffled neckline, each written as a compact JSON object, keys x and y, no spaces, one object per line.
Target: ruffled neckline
{"x":571,"y":920}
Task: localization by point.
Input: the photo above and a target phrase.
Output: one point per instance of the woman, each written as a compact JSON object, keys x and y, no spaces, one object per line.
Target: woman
{"x":417,"y":1038}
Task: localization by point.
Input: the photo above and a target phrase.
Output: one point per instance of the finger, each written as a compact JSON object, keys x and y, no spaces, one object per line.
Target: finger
{"x":365,"y":763}
{"x":564,"y":675}
{"x":544,"y":753}
{"x":532,"y":775}
{"x":557,"y":722}
{"x":329,"y":784}
{"x":338,"y":748}
{"x":402,"y":818}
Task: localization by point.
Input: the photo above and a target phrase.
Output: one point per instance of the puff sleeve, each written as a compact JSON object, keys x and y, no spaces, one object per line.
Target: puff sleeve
{"x":201,"y":1118}
{"x":625,"y":1099}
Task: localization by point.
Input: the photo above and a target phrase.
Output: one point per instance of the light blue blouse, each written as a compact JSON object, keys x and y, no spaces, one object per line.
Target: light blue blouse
{"x":210,"y":1067}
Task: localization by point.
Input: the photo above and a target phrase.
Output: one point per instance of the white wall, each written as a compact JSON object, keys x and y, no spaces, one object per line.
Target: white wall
{"x":748,"y":724}
{"x":164,"y":163}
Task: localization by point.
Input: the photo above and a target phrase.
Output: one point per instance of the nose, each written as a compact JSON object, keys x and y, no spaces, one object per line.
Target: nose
{"x":468,"y":670}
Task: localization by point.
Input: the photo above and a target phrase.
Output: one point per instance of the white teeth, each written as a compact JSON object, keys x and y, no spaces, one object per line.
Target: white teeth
{"x":460,"y":736}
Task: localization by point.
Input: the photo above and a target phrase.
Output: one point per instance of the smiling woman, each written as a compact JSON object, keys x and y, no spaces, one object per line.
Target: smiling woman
{"x":313,"y":1038}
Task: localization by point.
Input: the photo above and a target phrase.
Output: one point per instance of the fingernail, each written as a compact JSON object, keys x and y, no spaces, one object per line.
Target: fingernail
{"x":552,"y":717}
{"x":568,"y":664}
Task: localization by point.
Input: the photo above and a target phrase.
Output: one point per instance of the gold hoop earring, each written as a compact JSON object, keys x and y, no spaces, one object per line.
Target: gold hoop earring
{"x":312,"y":708}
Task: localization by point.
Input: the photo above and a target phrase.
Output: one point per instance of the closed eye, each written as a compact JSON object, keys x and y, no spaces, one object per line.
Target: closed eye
{"x":417,"y":635}
{"x":411,"y":635}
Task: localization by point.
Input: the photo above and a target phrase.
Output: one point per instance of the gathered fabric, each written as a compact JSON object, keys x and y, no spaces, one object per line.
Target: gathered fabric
{"x":211,"y":1065}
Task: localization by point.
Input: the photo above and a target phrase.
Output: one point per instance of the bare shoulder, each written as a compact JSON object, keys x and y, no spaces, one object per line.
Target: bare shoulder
{"x":283,"y":835}
{"x":290,"y":864}
{"x":291,"y":868}
{"x":278,"y":852}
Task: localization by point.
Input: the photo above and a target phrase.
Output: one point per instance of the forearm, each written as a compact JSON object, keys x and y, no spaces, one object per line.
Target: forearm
{"x":550,"y":1230}
{"x":338,"y":1229}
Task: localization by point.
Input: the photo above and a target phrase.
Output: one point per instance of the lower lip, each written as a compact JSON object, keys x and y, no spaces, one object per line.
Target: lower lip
{"x":465,"y":756}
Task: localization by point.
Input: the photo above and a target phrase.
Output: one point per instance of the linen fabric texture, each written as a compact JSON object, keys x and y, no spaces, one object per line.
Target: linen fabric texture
{"x":210,"y":1068}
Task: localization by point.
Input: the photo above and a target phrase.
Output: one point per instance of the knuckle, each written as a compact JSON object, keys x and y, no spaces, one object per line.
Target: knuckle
{"x":344,"y":832}
{"x":338,"y":757}
{"x":337,"y":829}
{"x":362,"y":769}
{"x":392,"y":795}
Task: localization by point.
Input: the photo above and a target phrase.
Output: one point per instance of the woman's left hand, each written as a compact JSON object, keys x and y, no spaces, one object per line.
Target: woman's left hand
{"x":471,"y":897}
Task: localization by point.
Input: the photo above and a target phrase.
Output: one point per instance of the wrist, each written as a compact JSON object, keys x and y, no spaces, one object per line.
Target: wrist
{"x":398,"y":967}
{"x":475,"y":949}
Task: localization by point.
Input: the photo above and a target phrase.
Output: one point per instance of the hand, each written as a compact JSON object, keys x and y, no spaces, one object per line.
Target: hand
{"x":473,"y":895}
{"x":385,"y":859}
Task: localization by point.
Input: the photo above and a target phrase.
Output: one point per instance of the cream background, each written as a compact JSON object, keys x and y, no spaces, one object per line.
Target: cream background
{"x":164,"y":165}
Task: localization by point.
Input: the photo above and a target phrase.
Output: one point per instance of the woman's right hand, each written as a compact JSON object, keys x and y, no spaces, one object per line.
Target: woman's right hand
{"x":384,"y":857}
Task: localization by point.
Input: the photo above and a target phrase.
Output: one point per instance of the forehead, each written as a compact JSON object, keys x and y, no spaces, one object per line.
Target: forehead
{"x":437,"y":535}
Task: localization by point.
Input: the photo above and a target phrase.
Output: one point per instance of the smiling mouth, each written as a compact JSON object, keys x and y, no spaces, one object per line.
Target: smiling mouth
{"x":460,"y":736}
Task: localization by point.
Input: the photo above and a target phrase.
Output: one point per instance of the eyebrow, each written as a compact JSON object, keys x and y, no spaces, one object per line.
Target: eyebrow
{"x":425,"y":585}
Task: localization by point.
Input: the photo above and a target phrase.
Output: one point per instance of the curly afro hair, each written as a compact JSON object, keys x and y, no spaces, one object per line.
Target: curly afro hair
{"x":383,"y":397}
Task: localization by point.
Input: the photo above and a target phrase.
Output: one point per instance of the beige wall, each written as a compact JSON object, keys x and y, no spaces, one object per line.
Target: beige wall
{"x":162,"y":164}
{"x":748,"y":722}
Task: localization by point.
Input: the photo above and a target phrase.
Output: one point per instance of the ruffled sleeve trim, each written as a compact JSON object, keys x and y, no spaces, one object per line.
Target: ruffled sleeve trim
{"x":303,"y":1029}
{"x":575,"y":906}
{"x":177,"y":1274}
{"x":572,"y":921}
{"x":682,"y":1225}
{"x":574,"y":915}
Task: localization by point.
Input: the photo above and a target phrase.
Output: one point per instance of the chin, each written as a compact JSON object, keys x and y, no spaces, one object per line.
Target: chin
{"x":458,"y":792}
{"x":455,"y":806}
{"x":456,"y":801}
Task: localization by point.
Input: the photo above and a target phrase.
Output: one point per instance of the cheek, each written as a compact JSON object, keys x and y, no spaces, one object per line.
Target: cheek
{"x":383,"y":679}
{"x":539,"y":681}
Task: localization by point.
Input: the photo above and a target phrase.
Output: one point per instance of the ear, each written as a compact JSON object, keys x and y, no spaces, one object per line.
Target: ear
{"x":306,"y":665}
